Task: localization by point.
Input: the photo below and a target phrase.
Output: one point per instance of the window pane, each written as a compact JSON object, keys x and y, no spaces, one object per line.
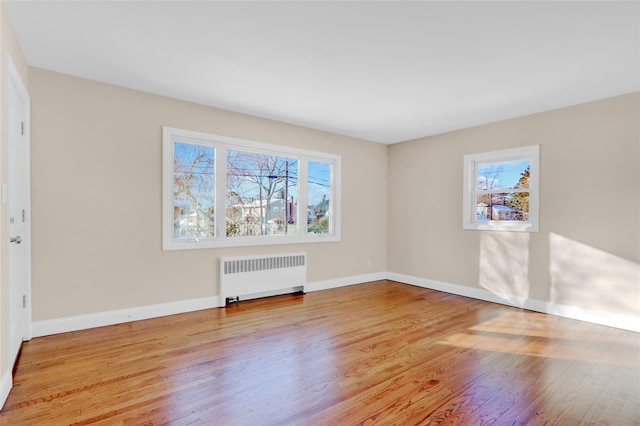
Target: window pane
{"x":193,"y":190}
{"x":510,"y":206}
{"x":503,"y":175}
{"x":262,"y":194}
{"x":319,"y":192}
{"x":519,"y":202}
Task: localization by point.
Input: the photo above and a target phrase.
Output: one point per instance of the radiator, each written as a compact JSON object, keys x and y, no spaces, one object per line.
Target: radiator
{"x":250,"y":277}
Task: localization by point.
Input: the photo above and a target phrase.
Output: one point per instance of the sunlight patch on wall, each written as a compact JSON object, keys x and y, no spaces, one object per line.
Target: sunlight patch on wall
{"x":504,"y":265}
{"x":584,"y":276}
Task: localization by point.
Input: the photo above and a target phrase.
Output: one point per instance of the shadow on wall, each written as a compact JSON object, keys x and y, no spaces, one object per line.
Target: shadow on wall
{"x":590,"y":278}
{"x":504,"y":265}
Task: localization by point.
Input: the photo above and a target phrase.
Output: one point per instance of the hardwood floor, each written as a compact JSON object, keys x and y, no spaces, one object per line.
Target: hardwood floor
{"x":377,"y":353}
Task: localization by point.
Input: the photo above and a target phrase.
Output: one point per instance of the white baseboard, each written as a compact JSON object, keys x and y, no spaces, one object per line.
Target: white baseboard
{"x":100,"y":319}
{"x":603,"y":318}
{"x":5,"y":386}
{"x":342,"y":282}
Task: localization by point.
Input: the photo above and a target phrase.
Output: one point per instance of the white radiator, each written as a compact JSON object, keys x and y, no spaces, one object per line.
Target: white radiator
{"x":250,"y":277}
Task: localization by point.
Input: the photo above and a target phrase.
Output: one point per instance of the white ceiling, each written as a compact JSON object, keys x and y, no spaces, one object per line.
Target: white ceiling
{"x":381,"y":71}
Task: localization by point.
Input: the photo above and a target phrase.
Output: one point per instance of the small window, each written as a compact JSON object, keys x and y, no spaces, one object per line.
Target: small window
{"x":221,"y":192}
{"x":501,"y":190}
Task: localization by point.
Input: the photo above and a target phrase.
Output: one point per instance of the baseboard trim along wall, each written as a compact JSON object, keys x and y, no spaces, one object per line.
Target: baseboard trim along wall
{"x":342,"y":282}
{"x":572,"y":312}
{"x":100,"y":319}
{"x":5,"y":386}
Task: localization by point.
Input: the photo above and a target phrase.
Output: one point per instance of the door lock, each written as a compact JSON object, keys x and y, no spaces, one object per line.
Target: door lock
{"x":16,"y":240}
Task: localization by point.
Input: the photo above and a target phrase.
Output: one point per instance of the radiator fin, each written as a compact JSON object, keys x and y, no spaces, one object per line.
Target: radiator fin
{"x":241,"y":266}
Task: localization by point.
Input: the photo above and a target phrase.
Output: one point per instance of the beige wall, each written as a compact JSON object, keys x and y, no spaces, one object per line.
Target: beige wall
{"x":587,"y":251}
{"x":8,"y":46}
{"x":96,"y":198}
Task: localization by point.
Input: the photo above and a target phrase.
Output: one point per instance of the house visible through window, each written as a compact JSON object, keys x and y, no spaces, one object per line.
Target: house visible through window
{"x":220,"y":191}
{"x":501,"y":190}
{"x":262,"y":194}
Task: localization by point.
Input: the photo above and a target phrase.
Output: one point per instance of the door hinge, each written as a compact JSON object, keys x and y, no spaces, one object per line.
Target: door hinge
{"x":22,"y":128}
{"x":23,"y":215}
{"x":24,"y":301}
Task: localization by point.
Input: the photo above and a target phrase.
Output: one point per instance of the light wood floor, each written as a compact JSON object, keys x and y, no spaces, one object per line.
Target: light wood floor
{"x":377,"y":353}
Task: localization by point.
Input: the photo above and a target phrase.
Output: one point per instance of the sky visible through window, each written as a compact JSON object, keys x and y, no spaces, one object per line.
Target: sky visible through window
{"x":194,"y":184}
{"x":319,"y":181}
{"x":194,"y":173}
{"x":504,"y":174}
{"x":198,"y":160}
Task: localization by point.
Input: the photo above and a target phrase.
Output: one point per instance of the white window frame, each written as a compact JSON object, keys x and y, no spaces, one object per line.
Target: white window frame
{"x":221,"y":144}
{"x":470,"y":191}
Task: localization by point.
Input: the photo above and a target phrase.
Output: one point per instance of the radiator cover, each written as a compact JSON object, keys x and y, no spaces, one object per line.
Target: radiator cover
{"x":250,"y":277}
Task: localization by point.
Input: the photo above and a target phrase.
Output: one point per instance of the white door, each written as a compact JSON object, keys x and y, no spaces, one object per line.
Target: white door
{"x":18,"y":197}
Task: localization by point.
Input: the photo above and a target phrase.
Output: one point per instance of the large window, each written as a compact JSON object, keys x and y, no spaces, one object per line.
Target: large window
{"x":501,"y":190}
{"x":220,"y":191}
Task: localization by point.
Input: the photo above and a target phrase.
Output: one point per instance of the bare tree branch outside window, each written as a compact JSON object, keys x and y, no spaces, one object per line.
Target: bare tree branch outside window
{"x":194,"y":178}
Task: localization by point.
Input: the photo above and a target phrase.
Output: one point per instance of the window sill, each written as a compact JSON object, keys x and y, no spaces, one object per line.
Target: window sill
{"x":189,"y":244}
{"x":502,"y":226}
